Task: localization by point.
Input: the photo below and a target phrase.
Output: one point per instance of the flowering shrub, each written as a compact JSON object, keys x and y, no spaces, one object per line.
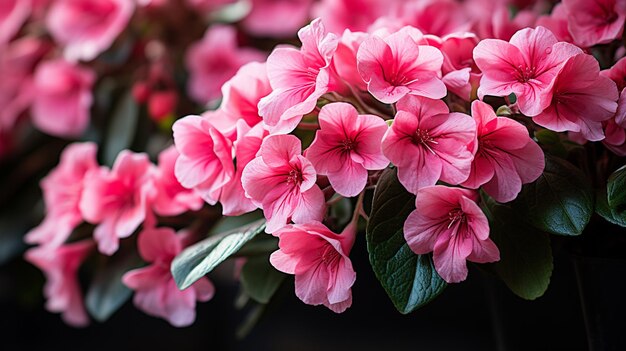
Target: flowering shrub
{"x":441,"y":134}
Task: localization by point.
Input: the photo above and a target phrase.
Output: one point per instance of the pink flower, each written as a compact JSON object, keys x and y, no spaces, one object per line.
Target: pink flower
{"x":436,"y":17}
{"x":208,"y":5}
{"x":62,"y":191}
{"x":319,"y":260}
{"x":345,"y":59}
{"x":620,"y":114}
{"x":298,"y":78}
{"x":526,"y":66}
{"x":214,"y":60}
{"x":13,"y":13}
{"x":232,"y":197}
{"x":171,"y":197}
{"x":117,"y":199}
{"x":460,"y":74}
{"x":595,"y":22}
{"x":276,"y":18}
{"x":615,"y":138}
{"x":17,"y":64}
{"x":243,"y":92}
{"x":87,"y":28}
{"x":63,"y":98}
{"x":282,"y":183}
{"x":449,"y":223}
{"x":428,"y":143}
{"x":581,"y":99}
{"x":62,"y":289}
{"x":206,"y":157}
{"x":617,"y":73}
{"x":397,"y":65}
{"x":156,"y":292}
{"x":493,"y":19}
{"x":556,"y":22}
{"x":505,"y":155}
{"x":347,"y":146}
{"x":355,"y":15}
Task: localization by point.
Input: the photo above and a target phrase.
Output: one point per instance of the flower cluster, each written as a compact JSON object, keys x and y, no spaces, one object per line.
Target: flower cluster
{"x":458,"y":107}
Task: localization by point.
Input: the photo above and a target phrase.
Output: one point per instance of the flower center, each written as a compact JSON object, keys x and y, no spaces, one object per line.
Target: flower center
{"x":294,"y":177}
{"x":329,"y":255}
{"x":525,"y":74}
{"x":348,"y":145}
{"x":423,"y":137}
{"x":456,"y":215}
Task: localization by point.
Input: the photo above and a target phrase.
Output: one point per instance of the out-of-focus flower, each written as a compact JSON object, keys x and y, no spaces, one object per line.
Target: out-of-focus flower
{"x":13,"y":13}
{"x":276,"y":18}
{"x":595,"y":22}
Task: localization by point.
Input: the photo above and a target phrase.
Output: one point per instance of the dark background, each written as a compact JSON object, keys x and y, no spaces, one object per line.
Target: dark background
{"x":478,"y":314}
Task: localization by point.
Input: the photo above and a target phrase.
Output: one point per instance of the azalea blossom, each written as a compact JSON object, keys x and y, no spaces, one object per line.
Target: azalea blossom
{"x":345,"y":59}
{"x":206,"y":161}
{"x":156,"y":292}
{"x":62,"y":191}
{"x":436,"y":17}
{"x":242,"y":93}
{"x":525,"y":66}
{"x":595,"y":22}
{"x":428,"y":143}
{"x":117,"y":200}
{"x":87,"y":28}
{"x":505,"y":155}
{"x":13,"y":14}
{"x":355,"y":15}
{"x":449,"y":223}
{"x":62,"y":290}
{"x":617,"y":73}
{"x":282,"y":182}
{"x":63,"y":98}
{"x":346,"y":146}
{"x":396,"y":66}
{"x":319,"y":260}
{"x":171,"y":197}
{"x":298,"y":78}
{"x":214,"y":60}
{"x":581,"y":100}
{"x":615,"y":138}
{"x":557,"y":23}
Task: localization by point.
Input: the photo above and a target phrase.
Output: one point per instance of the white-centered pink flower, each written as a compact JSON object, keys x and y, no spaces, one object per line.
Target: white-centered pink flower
{"x":214,"y":60}
{"x":86,"y":28}
{"x":505,"y":155}
{"x":346,"y":146}
{"x":242,"y":93}
{"x":428,"y":143}
{"x":206,"y":157}
{"x":581,"y":99}
{"x":525,"y":66}
{"x":60,"y":265}
{"x":449,"y":223}
{"x":595,"y":22}
{"x":117,"y":200}
{"x":13,"y":14}
{"x":397,"y":65}
{"x":156,"y":292}
{"x":276,"y":18}
{"x":63,"y":98}
{"x":298,"y":78}
{"x":319,"y":260}
{"x":282,"y":182}
{"x":62,"y":191}
{"x":171,"y":197}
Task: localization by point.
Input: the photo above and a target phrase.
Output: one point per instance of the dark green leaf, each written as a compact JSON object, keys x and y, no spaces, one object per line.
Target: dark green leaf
{"x":525,"y":263}
{"x":251,"y":320}
{"x":610,"y":214}
{"x":201,"y":258}
{"x":551,"y":142}
{"x":616,"y":190}
{"x":410,"y":280}
{"x":121,"y":131}
{"x":107,"y":293}
{"x":559,"y":202}
{"x":260,"y":279}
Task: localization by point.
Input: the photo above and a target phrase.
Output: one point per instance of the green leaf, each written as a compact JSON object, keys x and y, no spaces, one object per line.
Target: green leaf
{"x":201,"y":258}
{"x":551,"y":142}
{"x":559,"y":202}
{"x":107,"y":293}
{"x":525,"y":263}
{"x":260,"y":279}
{"x":121,"y":131}
{"x":605,"y":211}
{"x":410,"y":280}
{"x":616,"y":190}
